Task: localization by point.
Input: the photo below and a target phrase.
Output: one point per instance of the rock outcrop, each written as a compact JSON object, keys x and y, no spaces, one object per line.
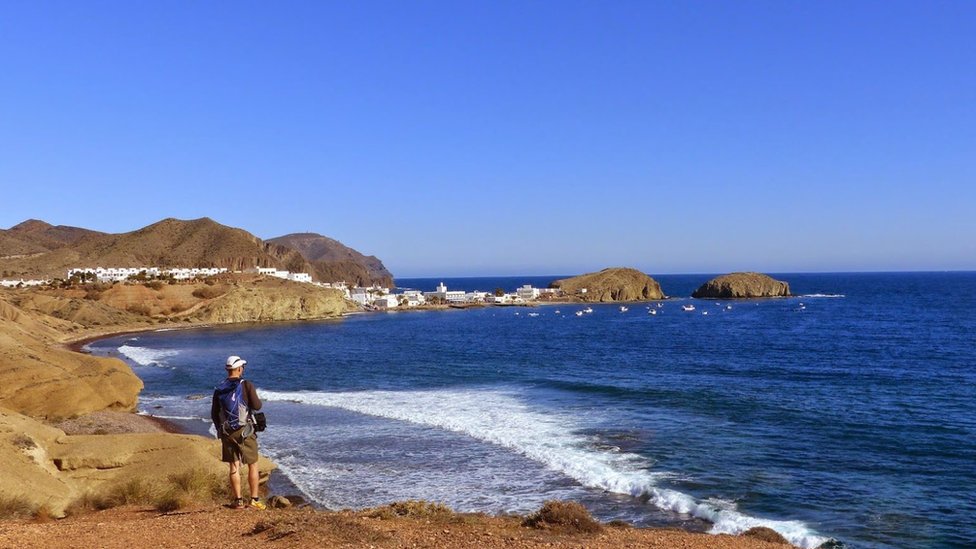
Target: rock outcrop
{"x":46,"y":467}
{"x":742,"y":285}
{"x":613,"y":284}
{"x":42,"y":382}
{"x":271,"y":299}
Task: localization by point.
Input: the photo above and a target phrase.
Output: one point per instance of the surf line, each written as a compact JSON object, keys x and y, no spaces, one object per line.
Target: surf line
{"x":502,"y":419}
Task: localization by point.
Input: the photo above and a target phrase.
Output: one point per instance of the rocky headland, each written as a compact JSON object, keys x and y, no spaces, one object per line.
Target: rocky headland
{"x":742,"y":285}
{"x":59,"y":439}
{"x":608,"y":285}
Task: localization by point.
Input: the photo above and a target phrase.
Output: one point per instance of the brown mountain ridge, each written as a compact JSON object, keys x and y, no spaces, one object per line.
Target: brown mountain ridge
{"x":37,"y":249}
{"x":333,"y":260}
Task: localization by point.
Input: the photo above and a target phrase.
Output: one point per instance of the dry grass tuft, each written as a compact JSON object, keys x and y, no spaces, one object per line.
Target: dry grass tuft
{"x":567,"y":516}
{"x":23,"y":442}
{"x":411,"y":508}
{"x":16,"y":507}
{"x":177,"y":491}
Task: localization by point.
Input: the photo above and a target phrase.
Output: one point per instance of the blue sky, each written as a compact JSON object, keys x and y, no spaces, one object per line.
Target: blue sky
{"x":479,"y":138}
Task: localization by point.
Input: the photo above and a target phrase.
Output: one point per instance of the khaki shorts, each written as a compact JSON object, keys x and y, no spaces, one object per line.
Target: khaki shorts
{"x":246,"y":452}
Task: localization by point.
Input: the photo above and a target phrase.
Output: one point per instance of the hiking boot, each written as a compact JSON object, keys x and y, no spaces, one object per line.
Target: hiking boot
{"x":258,"y":504}
{"x":237,"y":504}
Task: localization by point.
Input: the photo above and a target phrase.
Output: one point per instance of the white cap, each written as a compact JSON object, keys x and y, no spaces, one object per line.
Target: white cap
{"x":234,"y":362}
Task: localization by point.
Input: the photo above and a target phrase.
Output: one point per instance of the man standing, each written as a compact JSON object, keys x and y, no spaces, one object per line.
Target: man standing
{"x":233,"y":401}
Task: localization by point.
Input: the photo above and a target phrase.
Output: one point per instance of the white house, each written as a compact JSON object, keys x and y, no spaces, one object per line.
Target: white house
{"x":414,"y":298}
{"x":527,"y":292}
{"x":388,"y":301}
{"x":454,"y":296}
{"x":21,"y":283}
{"x":475,"y":297}
{"x":300,"y":277}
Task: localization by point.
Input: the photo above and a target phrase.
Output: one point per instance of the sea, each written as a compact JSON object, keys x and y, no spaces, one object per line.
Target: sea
{"x":845,"y":415}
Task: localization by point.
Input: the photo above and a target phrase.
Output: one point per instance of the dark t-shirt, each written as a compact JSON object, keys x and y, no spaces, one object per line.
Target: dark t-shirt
{"x":251,"y":399}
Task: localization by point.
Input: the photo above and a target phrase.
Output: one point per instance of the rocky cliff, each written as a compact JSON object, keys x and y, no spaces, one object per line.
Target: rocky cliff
{"x":742,"y":285}
{"x":332,"y":260}
{"x":48,"y":468}
{"x":614,"y":284}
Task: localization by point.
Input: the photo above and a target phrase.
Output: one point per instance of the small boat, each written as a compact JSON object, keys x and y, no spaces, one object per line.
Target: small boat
{"x":659,"y":305}
{"x":533,"y":314}
{"x":557,"y":311}
{"x":704,"y":313}
{"x":728,"y":307}
{"x":579,"y":313}
{"x":687,"y":307}
{"x":652,"y":312}
{"x":587,"y":310}
{"x":623,"y":309}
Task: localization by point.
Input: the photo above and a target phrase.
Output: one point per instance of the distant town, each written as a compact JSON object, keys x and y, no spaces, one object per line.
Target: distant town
{"x":373,"y":297}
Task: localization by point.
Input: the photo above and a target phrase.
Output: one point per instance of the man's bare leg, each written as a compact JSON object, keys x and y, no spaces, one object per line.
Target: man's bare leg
{"x":235,"y":478}
{"x":252,"y":479}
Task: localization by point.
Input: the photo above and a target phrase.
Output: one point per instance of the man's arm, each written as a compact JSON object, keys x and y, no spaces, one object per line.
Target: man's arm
{"x":253,"y":400}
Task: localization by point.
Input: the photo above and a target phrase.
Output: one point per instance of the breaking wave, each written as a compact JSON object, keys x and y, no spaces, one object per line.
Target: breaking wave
{"x":501,"y":418}
{"x":147,"y":357}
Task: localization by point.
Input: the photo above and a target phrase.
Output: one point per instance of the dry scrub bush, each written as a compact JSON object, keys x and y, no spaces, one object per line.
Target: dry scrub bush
{"x":15,"y":507}
{"x":155,"y":285}
{"x":23,"y":442}
{"x":412,"y":508}
{"x":207,"y":292}
{"x":765,"y":534}
{"x":568,"y":516}
{"x":139,"y":309}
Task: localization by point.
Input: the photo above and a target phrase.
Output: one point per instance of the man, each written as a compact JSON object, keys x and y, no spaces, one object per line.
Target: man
{"x":233,"y":402}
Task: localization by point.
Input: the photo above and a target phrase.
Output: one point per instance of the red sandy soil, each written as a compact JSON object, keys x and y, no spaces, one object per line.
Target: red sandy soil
{"x":214,"y":526}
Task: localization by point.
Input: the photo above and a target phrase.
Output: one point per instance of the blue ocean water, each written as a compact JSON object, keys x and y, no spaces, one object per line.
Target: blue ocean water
{"x":847,"y":413}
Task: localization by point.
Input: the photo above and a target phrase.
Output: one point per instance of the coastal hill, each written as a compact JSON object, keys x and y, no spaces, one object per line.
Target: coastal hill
{"x":333,"y":260}
{"x":34,"y":237}
{"x":613,"y":284}
{"x":742,"y":285}
{"x":35,"y":249}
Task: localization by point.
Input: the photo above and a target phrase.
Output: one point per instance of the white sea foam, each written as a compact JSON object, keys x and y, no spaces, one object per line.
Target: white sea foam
{"x":822,"y":295}
{"x":503,"y":419}
{"x":147,"y":357}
